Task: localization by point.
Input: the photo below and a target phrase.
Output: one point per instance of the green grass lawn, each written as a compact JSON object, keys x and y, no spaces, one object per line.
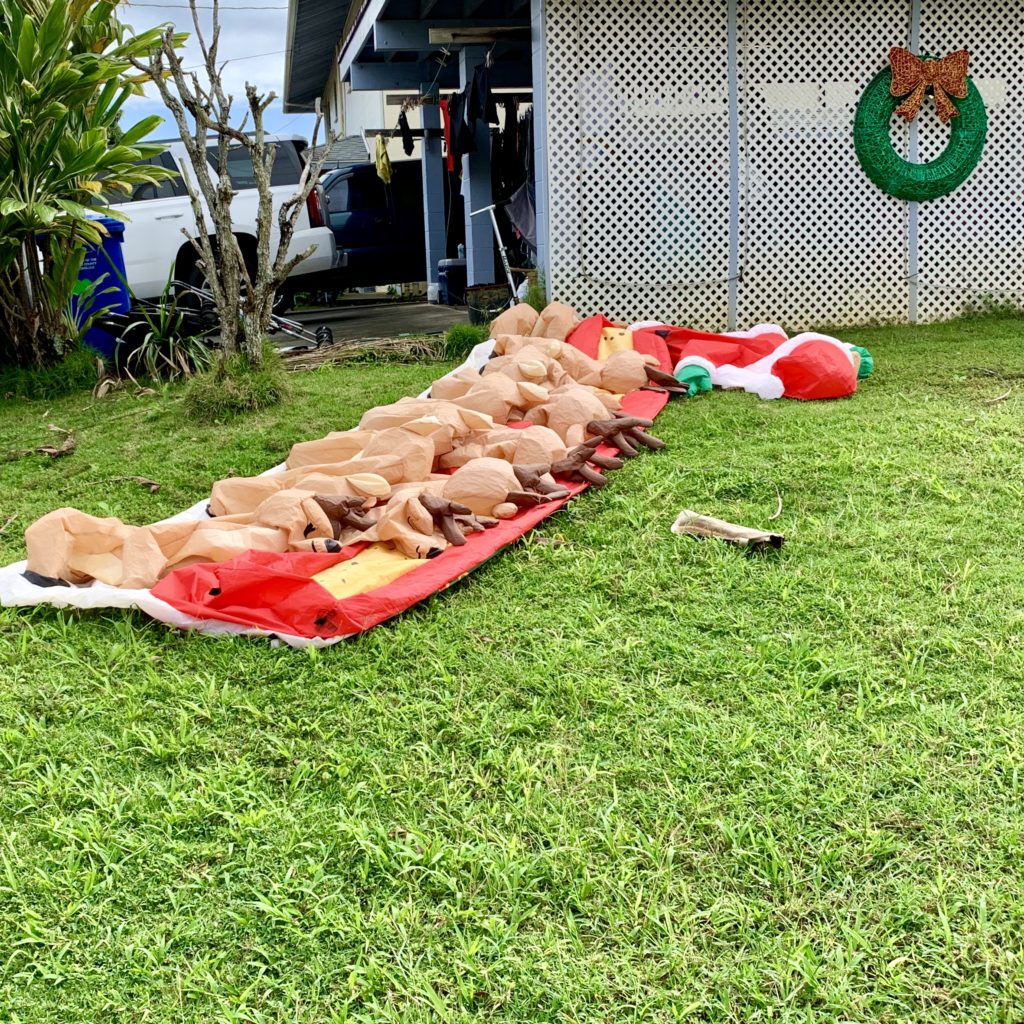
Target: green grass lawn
{"x":614,"y":775}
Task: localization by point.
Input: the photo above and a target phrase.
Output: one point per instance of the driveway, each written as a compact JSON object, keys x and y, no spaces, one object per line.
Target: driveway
{"x":387,"y":320}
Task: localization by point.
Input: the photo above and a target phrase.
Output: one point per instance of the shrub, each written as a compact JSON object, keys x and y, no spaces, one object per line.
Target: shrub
{"x":984,"y":307}
{"x":77,"y":371}
{"x":167,"y":342}
{"x":234,"y":387}
{"x":461,"y":338}
{"x":535,"y":293}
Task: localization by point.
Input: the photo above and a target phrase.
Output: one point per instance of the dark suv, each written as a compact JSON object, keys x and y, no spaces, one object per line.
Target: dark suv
{"x":378,"y":228}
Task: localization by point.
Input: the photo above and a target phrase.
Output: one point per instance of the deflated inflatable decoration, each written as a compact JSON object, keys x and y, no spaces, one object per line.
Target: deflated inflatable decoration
{"x":359,"y":525}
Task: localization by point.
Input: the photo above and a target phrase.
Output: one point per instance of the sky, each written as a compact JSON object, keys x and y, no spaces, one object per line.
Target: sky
{"x":252,"y":39}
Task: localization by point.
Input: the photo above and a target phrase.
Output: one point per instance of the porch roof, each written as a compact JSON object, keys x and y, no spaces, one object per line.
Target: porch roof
{"x":400,"y":44}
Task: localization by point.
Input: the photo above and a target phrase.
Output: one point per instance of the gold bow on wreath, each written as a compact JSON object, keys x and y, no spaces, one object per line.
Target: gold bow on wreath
{"x":916,"y":75}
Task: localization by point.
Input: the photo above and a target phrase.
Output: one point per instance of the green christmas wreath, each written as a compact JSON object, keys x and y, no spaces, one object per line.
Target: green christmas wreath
{"x":887,"y":94}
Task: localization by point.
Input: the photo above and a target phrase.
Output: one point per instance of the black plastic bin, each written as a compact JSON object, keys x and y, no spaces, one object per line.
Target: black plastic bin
{"x":451,"y":282}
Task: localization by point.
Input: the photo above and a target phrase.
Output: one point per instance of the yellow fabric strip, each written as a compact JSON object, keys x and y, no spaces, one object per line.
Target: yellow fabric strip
{"x":615,"y":339}
{"x":375,"y":567}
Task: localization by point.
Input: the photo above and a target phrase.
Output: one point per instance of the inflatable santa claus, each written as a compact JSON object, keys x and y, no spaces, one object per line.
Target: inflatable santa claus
{"x":765,"y":361}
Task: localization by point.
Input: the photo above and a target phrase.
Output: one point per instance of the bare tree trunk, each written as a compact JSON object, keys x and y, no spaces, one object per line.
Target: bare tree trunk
{"x":243,"y":294}
{"x":28,"y":273}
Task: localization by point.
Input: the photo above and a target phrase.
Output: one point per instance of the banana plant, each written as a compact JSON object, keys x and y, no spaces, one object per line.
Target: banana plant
{"x":64,"y":79}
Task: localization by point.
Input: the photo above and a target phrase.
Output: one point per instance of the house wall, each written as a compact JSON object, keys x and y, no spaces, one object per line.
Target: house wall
{"x":349,"y":112}
{"x":701,"y":166}
{"x":332,"y":103}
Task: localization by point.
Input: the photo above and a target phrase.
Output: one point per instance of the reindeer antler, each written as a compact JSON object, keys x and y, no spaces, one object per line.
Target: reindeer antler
{"x":344,"y":513}
{"x":454,"y":520}
{"x":625,"y":432}
{"x":576,"y":466}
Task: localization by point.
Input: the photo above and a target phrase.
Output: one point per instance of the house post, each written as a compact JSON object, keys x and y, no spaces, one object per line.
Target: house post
{"x":733,"y":33}
{"x":432,"y":164}
{"x":540,"y":132}
{"x":914,"y":208}
{"x":476,"y":185}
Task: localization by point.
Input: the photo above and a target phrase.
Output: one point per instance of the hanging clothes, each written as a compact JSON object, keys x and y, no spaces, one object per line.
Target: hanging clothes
{"x":463,"y":136}
{"x":526,"y":143}
{"x":383,"y":161}
{"x":522,"y":211}
{"x":481,"y":104}
{"x":510,"y":166}
{"x":406,"y":132}
{"x":446,"y":121}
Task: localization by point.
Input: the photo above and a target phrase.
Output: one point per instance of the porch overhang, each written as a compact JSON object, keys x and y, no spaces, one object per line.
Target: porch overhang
{"x":401,"y":44}
{"x":314,"y":29}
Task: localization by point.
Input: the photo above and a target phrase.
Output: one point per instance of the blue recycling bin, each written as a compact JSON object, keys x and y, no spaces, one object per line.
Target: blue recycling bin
{"x":103,"y":263}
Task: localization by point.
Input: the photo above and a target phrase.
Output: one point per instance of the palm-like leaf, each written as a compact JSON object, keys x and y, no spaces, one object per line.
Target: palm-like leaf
{"x":64,"y":80}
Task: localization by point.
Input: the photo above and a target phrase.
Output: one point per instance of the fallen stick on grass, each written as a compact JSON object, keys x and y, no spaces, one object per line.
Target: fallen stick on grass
{"x":66,"y":447}
{"x":151,"y":485}
{"x":692,"y":524}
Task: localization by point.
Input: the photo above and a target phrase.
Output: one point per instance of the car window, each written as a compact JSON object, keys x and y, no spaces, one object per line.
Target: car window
{"x":369,"y":192}
{"x":286,"y":171}
{"x":162,"y":189}
{"x":408,"y":187}
{"x":145,"y":191}
{"x":337,"y":196}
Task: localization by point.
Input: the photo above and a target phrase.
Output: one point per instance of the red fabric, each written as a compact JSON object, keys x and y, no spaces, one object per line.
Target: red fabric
{"x":274,"y":592}
{"x":652,"y":345}
{"x":446,"y":121}
{"x":815,"y":370}
{"x":586,"y":336}
{"x":721,"y":349}
{"x":262,"y":589}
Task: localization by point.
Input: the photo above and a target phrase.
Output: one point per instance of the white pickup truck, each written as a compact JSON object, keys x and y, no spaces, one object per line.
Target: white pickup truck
{"x":155,"y":215}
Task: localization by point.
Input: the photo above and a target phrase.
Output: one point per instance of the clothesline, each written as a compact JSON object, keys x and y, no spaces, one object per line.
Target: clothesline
{"x":416,"y":133}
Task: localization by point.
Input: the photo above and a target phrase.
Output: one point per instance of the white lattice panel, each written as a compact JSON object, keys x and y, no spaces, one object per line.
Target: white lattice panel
{"x":639,"y":152}
{"x":819,"y":243}
{"x":638,"y":157}
{"x":972,"y":242}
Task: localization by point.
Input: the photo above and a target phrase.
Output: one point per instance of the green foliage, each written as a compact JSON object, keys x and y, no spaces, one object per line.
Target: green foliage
{"x":80,"y":301}
{"x":77,"y":371}
{"x":611,"y":776}
{"x":162,"y":345}
{"x":536,"y":294}
{"x":985,"y":307}
{"x":63,"y":84}
{"x":166,"y":353}
{"x":234,"y":387}
{"x":461,"y":338}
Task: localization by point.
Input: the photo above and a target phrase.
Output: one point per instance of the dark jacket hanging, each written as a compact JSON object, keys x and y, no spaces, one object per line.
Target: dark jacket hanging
{"x":462,"y":137}
{"x":481,"y":100}
{"x":406,"y":132}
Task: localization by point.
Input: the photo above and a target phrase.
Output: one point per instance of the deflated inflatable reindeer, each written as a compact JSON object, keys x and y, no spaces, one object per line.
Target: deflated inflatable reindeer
{"x":420,"y":474}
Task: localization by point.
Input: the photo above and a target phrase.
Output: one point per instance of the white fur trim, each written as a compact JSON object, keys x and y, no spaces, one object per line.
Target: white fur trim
{"x":841,"y":345}
{"x":765,"y":385}
{"x":760,"y":331}
{"x":696,"y":361}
